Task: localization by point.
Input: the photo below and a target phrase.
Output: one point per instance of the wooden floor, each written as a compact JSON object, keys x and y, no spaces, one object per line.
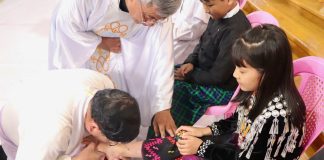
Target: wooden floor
{"x":302,"y":20}
{"x":315,"y":146}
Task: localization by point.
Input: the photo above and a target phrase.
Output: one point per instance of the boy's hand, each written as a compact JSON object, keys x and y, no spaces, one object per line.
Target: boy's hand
{"x":185,"y":68}
{"x":178,"y":75}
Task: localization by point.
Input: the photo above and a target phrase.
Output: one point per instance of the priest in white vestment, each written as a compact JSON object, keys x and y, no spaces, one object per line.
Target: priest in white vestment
{"x":85,"y":32}
{"x":49,"y":115}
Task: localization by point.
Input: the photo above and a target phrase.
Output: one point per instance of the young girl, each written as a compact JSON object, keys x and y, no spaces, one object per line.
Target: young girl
{"x":270,"y":118}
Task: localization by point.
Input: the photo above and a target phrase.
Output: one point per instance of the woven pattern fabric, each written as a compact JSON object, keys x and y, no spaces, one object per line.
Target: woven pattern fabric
{"x":190,"y":101}
{"x":160,"y":149}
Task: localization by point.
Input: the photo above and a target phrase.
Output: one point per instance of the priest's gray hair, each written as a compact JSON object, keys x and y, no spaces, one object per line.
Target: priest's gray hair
{"x":165,"y":7}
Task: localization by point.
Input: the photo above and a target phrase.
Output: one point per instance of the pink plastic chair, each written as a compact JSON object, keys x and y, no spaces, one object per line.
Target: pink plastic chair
{"x":261,"y":17}
{"x":225,"y":110}
{"x":255,"y":18}
{"x":242,"y":3}
{"x":311,"y":71}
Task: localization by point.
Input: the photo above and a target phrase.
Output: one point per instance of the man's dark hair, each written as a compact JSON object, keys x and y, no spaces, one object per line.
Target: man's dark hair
{"x":117,"y":114}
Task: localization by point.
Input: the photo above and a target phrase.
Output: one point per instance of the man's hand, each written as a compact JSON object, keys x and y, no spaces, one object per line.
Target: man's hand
{"x":188,"y":145}
{"x":162,"y":122}
{"x":89,"y":139}
{"x":90,"y":153}
{"x":110,"y":44}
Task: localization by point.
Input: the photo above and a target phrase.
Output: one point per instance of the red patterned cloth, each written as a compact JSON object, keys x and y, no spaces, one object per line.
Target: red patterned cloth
{"x":160,"y":149}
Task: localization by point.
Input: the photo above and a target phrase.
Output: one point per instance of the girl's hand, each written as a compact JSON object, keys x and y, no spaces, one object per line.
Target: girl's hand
{"x":188,"y":145}
{"x":193,"y":131}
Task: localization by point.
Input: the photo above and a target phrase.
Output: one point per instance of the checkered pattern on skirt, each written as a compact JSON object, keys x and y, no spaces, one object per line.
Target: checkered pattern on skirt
{"x":190,"y":101}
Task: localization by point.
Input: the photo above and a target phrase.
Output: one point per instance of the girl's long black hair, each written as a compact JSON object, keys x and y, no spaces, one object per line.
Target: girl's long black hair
{"x":267,"y":49}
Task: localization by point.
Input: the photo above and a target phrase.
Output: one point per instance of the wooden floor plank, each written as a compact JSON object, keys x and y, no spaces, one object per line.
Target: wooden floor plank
{"x":304,"y":32}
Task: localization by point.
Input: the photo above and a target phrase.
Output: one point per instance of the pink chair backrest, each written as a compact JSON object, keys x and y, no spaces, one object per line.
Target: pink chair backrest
{"x":261,"y":17}
{"x":242,"y":3}
{"x":311,"y":71}
{"x":225,"y":110}
{"x":232,"y":105}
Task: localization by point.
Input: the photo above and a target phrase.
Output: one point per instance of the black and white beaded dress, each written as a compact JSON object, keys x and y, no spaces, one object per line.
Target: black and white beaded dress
{"x":270,"y":136}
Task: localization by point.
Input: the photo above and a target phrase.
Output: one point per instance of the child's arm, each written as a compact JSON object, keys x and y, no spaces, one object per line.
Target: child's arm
{"x":193,"y":57}
{"x":225,"y":126}
{"x":217,"y":145}
{"x":222,"y":67}
{"x":219,"y":151}
{"x":209,"y":146}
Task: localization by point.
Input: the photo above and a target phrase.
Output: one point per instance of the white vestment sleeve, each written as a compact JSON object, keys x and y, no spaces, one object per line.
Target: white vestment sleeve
{"x":65,"y":157}
{"x":189,"y":30}
{"x":72,"y":40}
{"x":148,"y":63}
{"x":44,"y":140}
{"x":162,"y":79}
{"x":191,"y":21}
